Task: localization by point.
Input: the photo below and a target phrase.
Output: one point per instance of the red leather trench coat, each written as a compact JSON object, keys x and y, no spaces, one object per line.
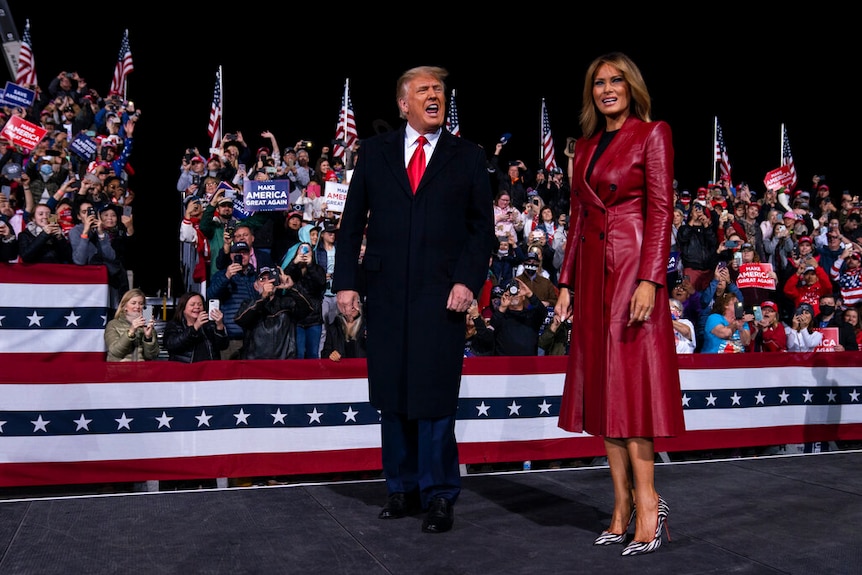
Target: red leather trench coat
{"x":418,"y":246}
{"x":621,"y":381}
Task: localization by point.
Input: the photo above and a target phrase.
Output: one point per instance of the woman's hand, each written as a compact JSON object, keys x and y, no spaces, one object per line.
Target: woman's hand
{"x":149,"y":328}
{"x":563,"y":307}
{"x":642,"y":302}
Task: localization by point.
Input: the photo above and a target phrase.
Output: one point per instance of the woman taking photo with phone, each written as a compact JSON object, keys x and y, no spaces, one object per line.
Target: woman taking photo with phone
{"x":195,"y":334}
{"x":726,"y":328}
{"x":130,"y":336}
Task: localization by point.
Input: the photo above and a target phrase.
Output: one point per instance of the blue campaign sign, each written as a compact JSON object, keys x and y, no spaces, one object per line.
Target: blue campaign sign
{"x":15,"y":95}
{"x":84,"y":146}
{"x":266,"y":196}
{"x":674,"y":262}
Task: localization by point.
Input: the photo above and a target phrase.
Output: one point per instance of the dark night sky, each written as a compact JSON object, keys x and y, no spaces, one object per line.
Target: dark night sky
{"x":285,"y":67}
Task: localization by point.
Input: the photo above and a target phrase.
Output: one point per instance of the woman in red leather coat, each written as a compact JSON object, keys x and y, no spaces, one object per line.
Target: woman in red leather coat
{"x":624,"y":386}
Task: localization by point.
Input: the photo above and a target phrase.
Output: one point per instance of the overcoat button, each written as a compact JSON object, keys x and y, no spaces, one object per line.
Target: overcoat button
{"x":613,"y":187}
{"x":601,"y":235}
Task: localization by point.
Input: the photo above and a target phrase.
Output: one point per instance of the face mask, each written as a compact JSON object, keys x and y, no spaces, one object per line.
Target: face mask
{"x":827,"y":309}
{"x":46,"y":170}
{"x":530,"y":268}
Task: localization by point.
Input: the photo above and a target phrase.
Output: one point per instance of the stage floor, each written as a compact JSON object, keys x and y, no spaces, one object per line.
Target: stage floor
{"x":794,"y":514}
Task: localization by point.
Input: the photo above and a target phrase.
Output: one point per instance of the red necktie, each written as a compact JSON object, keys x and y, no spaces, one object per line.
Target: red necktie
{"x":416,"y":167}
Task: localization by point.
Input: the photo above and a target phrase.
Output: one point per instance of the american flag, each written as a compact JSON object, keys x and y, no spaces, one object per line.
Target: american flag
{"x":123,"y":68}
{"x":345,"y":131}
{"x":787,"y":158}
{"x":214,"y":126}
{"x":53,"y":311}
{"x":74,"y":422}
{"x":547,"y":140}
{"x":453,"y":125}
{"x":721,"y":153}
{"x":26,"y":75}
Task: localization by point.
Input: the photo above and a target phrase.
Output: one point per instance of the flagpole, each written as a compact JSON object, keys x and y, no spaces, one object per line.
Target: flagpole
{"x":221,"y":101}
{"x":781,"y":146}
{"x":344,"y":111}
{"x":542,"y":133}
{"x":714,"y":142}
{"x":126,"y":79}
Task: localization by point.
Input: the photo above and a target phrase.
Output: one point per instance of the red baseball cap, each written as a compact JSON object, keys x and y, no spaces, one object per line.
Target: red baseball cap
{"x":770,"y":304}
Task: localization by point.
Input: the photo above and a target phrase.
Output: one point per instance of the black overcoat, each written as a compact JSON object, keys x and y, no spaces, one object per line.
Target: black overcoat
{"x":418,"y":246}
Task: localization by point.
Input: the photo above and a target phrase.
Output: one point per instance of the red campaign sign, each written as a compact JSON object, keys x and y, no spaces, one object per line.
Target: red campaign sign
{"x":22,"y":133}
{"x":755,"y":275}
{"x":778,"y":178}
{"x":830,"y":338}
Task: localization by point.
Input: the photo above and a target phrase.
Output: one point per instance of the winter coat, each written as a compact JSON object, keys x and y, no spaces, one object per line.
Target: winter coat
{"x":623,"y":381}
{"x":418,"y":246}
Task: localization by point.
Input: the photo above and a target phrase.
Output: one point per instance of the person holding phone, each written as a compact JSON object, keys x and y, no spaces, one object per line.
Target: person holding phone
{"x":233,"y":286}
{"x":196,"y":332}
{"x":726,"y":329}
{"x":129,"y":336}
{"x":310,"y":279}
{"x":801,"y":335}
{"x":771,"y":336}
{"x":698,"y":241}
{"x":42,"y":241}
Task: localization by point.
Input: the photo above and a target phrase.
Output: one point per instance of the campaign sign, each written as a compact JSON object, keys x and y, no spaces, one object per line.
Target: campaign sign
{"x":830,"y":338}
{"x":778,"y":178}
{"x":266,"y":196}
{"x":15,"y":95}
{"x":674,"y":262}
{"x":22,"y":133}
{"x":84,"y":146}
{"x":336,"y":195}
{"x":755,"y":275}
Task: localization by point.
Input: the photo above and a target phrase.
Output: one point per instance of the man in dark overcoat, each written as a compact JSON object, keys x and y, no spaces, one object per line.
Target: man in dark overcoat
{"x":425,"y":260}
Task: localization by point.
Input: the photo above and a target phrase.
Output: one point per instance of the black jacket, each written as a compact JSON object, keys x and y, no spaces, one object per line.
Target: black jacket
{"x":270,"y":324}
{"x":846,"y":335}
{"x":312,"y":284}
{"x":188,"y":345}
{"x":44,"y":248}
{"x":697,"y":245}
{"x":337,"y":341}
{"x":516,"y":332}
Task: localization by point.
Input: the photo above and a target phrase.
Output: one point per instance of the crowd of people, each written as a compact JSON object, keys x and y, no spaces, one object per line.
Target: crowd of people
{"x":803,"y":246}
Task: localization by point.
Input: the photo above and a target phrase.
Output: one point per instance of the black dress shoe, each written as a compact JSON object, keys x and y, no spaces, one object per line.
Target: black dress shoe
{"x":395,"y":508}
{"x":440,"y":516}
{"x":400,"y":505}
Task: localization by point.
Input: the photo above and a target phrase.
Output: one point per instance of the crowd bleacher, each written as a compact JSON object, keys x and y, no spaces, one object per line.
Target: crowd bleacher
{"x":746,"y":265}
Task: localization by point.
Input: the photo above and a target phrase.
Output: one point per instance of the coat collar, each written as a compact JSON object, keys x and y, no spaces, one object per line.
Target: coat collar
{"x":620,"y":143}
{"x":394,"y":154}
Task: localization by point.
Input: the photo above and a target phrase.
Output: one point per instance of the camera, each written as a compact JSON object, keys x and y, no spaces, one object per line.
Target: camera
{"x":305,"y":144}
{"x":190,"y":153}
{"x":230,"y":137}
{"x":267,"y":274}
{"x":237,"y":259}
{"x":91,"y":211}
{"x":512,"y":287}
{"x":230,"y":230}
